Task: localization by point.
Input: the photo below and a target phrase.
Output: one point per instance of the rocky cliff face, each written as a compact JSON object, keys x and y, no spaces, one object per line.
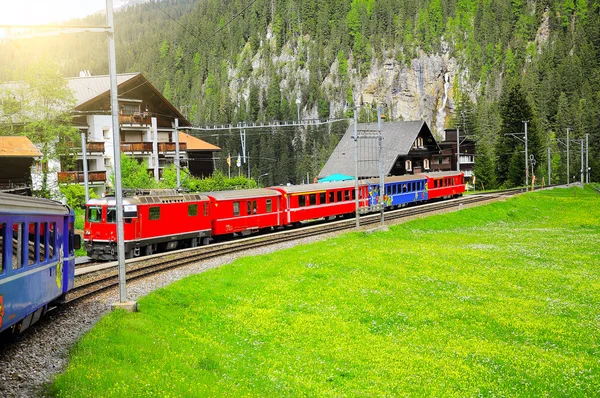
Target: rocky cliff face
{"x":419,"y":90}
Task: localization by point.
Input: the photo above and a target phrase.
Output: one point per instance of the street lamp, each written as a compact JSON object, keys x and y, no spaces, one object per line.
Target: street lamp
{"x":262,"y":175}
{"x":298,"y":102}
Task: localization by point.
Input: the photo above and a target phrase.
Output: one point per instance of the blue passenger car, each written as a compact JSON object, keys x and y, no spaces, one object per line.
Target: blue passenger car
{"x":37,"y":257}
{"x":399,"y":190}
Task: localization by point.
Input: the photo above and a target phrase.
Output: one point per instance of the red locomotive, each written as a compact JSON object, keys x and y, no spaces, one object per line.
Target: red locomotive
{"x":158,"y":221}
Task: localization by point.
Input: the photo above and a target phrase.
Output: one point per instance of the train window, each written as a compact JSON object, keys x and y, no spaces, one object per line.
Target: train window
{"x":236,"y":208}
{"x":322,"y":198}
{"x":94,"y":214}
{"x":52,"y":240}
{"x":192,"y":210}
{"x":248,"y":207}
{"x":111,"y":215}
{"x":43,"y":241}
{"x":2,"y":229}
{"x":339,"y":196}
{"x":155,"y":213}
{"x":346,"y":194}
{"x":351,"y":194}
{"x":313,"y":199}
{"x":254,"y":207}
{"x":301,"y":201}
{"x":388,"y":190}
{"x":17,"y":246}
{"x":206,"y":209}
{"x":269,"y":206}
{"x":32,"y":247}
{"x":331,"y":197}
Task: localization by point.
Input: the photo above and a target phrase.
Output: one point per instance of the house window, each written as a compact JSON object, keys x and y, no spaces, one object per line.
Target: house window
{"x":426,"y":164}
{"x":408,"y":165}
{"x":106,"y":134}
{"x":440,"y":160}
{"x":130,"y":109}
{"x":41,"y":166}
{"x":420,"y":142}
{"x":106,"y":162}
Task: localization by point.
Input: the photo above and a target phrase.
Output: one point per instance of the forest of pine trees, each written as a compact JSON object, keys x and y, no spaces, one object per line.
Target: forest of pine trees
{"x":525,"y":60}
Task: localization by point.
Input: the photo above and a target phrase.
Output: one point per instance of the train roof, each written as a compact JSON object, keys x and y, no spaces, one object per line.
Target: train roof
{"x":316,"y":187}
{"x":243,"y":194}
{"x":27,"y":204}
{"x":402,"y":178}
{"x":173,"y":197}
{"x":439,"y":174}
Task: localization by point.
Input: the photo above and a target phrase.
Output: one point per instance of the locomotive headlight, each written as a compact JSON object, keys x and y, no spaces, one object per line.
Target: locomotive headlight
{"x":87,"y":232}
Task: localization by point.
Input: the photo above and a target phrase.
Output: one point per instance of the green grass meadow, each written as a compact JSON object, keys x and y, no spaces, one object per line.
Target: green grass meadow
{"x":498,"y":300}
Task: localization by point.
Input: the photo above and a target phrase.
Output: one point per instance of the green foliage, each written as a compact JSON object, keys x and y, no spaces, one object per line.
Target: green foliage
{"x":475,"y":302}
{"x":75,"y":195}
{"x":135,"y":174}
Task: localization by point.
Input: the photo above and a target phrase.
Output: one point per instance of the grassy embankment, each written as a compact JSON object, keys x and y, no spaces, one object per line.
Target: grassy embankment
{"x":500,"y":300}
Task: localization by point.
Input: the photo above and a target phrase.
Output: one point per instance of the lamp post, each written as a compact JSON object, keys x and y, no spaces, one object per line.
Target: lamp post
{"x":262,"y":175}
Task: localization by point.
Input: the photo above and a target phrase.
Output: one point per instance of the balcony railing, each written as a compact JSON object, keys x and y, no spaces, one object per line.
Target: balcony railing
{"x":91,"y":147}
{"x":147,"y":147}
{"x":136,"y":118}
{"x":67,"y":177}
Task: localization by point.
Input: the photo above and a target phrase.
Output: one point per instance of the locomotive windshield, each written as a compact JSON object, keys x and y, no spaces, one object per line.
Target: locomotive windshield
{"x":111,"y":215}
{"x":94,"y":214}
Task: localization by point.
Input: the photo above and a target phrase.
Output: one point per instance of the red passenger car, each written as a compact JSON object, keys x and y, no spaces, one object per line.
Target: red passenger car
{"x":445,"y":185}
{"x":160,"y":221}
{"x":312,"y":201}
{"x":244,"y":211}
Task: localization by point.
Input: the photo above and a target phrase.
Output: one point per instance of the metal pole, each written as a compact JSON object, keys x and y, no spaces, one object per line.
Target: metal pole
{"x":526,"y":159}
{"x":114,"y":105}
{"x":568,"y":155}
{"x":177,"y":164}
{"x":549,"y":167}
{"x":581,"y":171}
{"x":248,"y":164}
{"x":155,"y":148}
{"x":85,"y":168}
{"x":381,"y":183}
{"x":587,"y":158}
{"x":457,"y":149}
{"x":356,"y":168}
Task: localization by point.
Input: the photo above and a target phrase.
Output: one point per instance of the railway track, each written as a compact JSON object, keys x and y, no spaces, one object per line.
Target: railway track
{"x":91,"y":283}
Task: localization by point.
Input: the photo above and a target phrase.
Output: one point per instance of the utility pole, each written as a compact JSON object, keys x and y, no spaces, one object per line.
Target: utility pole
{"x":526,"y":159}
{"x":549,"y":167}
{"x":458,"y":149}
{"x":85,"y":168}
{"x":568,"y":155}
{"x":356,"y":168}
{"x":177,"y":152}
{"x":587,"y":158}
{"x":381,"y":183}
{"x":114,"y":104}
{"x":581,"y":171}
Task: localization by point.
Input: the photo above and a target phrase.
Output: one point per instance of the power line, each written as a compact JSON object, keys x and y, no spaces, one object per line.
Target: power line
{"x":231,"y":20}
{"x":153,"y":2}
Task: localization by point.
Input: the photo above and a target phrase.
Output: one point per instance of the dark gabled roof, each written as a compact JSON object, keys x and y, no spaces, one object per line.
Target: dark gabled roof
{"x":93,"y":93}
{"x":398,"y":138}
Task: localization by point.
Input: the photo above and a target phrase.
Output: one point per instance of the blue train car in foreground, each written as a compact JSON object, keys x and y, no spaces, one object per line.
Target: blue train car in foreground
{"x":399,"y":190}
{"x":37,"y":258}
